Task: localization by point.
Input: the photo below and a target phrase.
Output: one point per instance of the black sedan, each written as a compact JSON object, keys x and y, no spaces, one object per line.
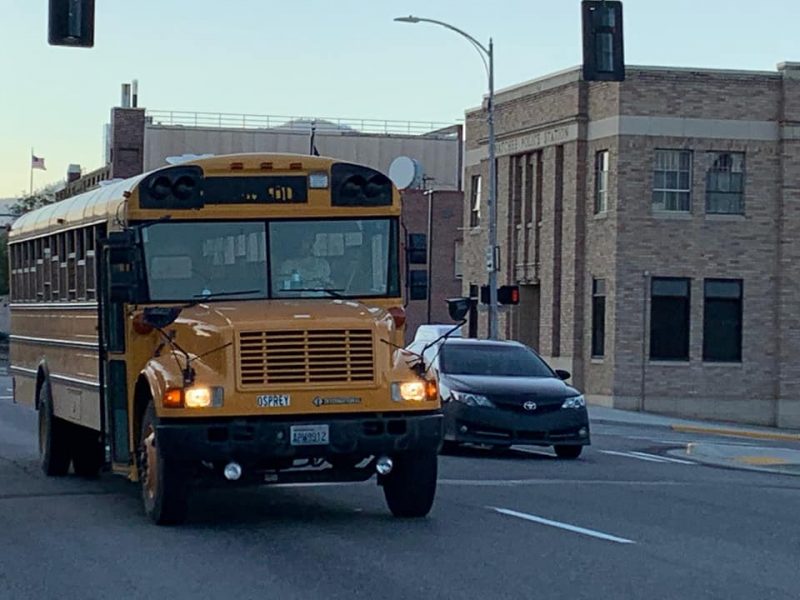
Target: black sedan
{"x":500,"y":393}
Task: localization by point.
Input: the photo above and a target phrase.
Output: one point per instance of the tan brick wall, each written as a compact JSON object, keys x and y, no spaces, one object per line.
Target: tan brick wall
{"x":629,"y":240}
{"x":700,"y":95}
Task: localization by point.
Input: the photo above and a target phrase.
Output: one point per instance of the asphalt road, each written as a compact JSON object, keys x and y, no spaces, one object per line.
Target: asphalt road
{"x":623,"y":521}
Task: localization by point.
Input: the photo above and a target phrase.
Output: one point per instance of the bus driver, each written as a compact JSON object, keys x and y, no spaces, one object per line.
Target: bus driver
{"x":304,"y":269}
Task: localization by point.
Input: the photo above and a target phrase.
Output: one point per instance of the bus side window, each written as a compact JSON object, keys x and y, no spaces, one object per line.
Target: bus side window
{"x":62,"y":266}
{"x":72,"y":287}
{"x":39,"y":270}
{"x":80,"y":265}
{"x":91,"y":236}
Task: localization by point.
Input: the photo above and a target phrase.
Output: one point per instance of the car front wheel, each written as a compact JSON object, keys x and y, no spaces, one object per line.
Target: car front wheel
{"x":568,"y":452}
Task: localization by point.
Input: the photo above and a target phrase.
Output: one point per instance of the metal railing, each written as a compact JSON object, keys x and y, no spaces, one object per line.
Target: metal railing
{"x":177,"y":118}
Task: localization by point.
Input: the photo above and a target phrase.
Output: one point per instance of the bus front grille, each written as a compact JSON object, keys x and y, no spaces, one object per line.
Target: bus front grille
{"x":306,"y":356}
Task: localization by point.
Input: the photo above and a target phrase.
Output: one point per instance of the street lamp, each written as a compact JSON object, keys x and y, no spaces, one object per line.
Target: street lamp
{"x":491,"y":249}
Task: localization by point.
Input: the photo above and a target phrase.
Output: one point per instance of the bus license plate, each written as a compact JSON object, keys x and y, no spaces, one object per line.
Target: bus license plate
{"x":309,"y":435}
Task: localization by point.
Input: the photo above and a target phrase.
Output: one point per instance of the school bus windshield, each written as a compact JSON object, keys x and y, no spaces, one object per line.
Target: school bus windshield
{"x":277,"y":259}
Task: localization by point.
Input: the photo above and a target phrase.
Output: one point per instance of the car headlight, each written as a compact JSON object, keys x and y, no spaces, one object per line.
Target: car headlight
{"x":471,"y":399}
{"x":574,"y":402}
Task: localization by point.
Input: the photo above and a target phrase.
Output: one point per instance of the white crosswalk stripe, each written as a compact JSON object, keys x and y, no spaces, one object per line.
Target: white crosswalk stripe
{"x":648,"y":457}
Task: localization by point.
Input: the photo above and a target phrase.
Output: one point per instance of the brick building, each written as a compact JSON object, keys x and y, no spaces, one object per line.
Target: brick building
{"x":654,"y":228}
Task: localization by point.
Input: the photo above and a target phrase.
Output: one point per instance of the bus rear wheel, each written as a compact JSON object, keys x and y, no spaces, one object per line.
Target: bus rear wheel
{"x":87,"y":451}
{"x":54,"y":436}
{"x":410,"y":487}
{"x":164,"y":482}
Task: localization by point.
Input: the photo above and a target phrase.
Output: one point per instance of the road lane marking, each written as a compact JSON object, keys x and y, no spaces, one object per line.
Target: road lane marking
{"x":6,"y":397}
{"x":664,"y":458}
{"x":534,"y":452}
{"x":514,"y":482}
{"x":559,"y":525}
{"x":630,"y":455}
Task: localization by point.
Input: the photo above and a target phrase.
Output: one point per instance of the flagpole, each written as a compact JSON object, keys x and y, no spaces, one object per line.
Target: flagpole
{"x":31,"y":161}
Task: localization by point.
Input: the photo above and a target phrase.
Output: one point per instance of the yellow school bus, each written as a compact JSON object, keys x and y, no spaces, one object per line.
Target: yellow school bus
{"x":235,"y":318}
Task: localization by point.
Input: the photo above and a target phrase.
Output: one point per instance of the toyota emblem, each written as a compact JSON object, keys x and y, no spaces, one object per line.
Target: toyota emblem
{"x":529,"y":405}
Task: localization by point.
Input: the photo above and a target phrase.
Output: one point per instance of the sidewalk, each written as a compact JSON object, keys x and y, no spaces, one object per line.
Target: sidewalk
{"x":725,"y":451}
{"x":602,"y":414}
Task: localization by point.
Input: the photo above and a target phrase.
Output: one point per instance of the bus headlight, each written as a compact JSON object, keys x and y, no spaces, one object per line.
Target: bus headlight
{"x":413,"y":391}
{"x":194,"y":397}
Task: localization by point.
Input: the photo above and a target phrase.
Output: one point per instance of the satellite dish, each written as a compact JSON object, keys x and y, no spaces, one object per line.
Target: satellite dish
{"x":406,"y":173}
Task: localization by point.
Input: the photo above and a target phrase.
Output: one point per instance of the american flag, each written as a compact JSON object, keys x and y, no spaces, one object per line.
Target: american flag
{"x":37,"y":162}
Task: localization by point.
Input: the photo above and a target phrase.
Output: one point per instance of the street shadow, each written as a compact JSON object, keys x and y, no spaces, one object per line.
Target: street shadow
{"x":485,"y":452}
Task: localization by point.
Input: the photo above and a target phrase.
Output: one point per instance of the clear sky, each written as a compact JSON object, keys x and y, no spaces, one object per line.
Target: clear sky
{"x":327,"y":59}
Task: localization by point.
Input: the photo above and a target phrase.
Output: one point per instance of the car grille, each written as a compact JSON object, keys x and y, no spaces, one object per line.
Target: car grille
{"x":515,"y":404}
{"x":306,"y":356}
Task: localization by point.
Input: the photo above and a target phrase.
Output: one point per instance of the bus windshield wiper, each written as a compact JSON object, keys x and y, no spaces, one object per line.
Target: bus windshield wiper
{"x":330,"y":291}
{"x":201,"y":297}
{"x":221,"y":294}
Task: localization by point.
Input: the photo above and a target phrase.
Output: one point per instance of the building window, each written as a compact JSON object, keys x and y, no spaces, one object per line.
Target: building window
{"x":672,"y":180}
{"x":475,"y":202}
{"x":601,"y":181}
{"x":725,"y":183}
{"x":669,"y":319}
{"x":722,"y":320}
{"x":598,"y":317}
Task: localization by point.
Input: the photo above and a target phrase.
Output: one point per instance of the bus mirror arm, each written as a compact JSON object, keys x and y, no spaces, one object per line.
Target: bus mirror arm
{"x":442,"y":337}
{"x":186,"y":369}
{"x":417,"y":364}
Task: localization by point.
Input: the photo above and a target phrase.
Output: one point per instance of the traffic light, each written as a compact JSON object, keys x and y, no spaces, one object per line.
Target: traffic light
{"x":506,"y":294}
{"x":603,"y":55}
{"x":71,"y":23}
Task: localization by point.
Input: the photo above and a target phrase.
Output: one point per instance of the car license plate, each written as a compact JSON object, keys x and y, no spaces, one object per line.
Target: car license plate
{"x":309,"y":435}
{"x":273,"y":400}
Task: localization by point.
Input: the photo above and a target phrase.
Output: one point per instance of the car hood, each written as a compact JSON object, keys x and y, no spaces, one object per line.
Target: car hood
{"x":509,"y":387}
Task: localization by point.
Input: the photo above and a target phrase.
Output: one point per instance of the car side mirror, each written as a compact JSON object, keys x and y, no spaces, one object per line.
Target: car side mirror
{"x":562,"y":374}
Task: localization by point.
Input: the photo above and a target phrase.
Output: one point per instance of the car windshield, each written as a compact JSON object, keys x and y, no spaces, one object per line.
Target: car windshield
{"x":492,"y":360}
{"x":283,"y":259}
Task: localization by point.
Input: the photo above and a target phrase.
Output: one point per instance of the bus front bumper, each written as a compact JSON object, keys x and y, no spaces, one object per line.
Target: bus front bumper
{"x":252,"y":440}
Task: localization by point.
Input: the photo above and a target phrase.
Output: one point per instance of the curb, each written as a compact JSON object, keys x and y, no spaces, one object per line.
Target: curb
{"x":744,"y":433}
{"x":616,"y":422}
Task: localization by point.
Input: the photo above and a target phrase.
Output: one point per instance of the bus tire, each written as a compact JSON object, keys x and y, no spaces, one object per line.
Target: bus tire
{"x":88,"y":454}
{"x":164,"y":482}
{"x":54,"y":436}
{"x":410,"y":487}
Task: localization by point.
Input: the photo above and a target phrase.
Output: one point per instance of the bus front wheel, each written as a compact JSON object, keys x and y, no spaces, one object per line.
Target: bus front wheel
{"x":411,"y":485}
{"x":54,"y":436}
{"x":164,"y":482}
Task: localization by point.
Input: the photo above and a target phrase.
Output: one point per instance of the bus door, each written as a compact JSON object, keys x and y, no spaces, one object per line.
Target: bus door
{"x":119,"y":279}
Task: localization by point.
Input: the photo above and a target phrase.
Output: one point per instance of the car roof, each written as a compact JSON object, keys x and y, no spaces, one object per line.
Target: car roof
{"x":428,"y":333}
{"x":477,"y":342}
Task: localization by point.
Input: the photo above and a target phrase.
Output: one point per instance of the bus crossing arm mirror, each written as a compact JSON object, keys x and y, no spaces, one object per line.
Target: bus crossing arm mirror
{"x":458,"y":308}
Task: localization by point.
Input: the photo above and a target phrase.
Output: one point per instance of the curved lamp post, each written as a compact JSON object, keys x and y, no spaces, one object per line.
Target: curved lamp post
{"x":487,"y":56}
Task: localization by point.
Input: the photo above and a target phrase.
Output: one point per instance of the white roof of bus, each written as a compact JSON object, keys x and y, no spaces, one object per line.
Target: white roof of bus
{"x":94,"y":205}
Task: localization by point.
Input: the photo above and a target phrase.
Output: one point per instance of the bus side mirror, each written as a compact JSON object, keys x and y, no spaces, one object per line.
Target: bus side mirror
{"x":124,"y":267}
{"x":418,"y":284}
{"x":458,"y":308}
{"x":417,"y":249}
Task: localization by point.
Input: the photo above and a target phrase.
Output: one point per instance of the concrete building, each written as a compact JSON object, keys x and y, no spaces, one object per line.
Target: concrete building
{"x":654,"y":228}
{"x":140,"y":140}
